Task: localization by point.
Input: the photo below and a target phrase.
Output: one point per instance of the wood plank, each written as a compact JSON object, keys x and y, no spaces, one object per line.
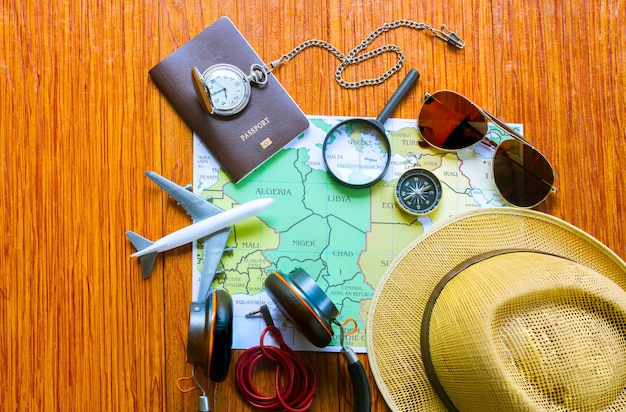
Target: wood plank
{"x":76,"y":110}
{"x":82,"y":120}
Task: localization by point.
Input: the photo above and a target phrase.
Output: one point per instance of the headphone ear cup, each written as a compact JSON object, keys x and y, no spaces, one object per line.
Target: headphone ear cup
{"x":299,"y":307}
{"x":220,"y":356}
{"x":210,"y":335}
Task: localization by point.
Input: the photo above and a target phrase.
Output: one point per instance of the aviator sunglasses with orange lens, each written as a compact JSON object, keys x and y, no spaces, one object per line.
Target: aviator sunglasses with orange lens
{"x":450,"y":122}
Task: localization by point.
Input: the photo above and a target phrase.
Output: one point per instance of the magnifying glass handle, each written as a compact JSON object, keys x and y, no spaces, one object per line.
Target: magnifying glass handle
{"x":406,"y":85}
{"x":360,"y":385}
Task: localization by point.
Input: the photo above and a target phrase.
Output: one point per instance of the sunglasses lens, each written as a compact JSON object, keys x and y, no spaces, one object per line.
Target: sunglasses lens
{"x":523,"y":176}
{"x":449,"y":121}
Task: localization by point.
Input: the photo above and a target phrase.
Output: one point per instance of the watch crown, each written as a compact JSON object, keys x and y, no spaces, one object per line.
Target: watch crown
{"x":258,"y":75}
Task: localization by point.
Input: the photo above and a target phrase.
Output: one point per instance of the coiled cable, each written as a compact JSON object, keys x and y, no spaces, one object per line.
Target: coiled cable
{"x":294,"y":380}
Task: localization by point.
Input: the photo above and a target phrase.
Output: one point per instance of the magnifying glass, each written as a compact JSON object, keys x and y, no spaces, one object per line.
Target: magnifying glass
{"x":357,"y":151}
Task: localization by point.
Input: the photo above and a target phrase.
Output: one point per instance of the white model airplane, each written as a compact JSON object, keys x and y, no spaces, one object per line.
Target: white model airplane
{"x":212,"y":225}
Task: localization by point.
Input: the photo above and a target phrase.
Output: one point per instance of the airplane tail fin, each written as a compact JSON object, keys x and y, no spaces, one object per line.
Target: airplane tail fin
{"x":147,"y":261}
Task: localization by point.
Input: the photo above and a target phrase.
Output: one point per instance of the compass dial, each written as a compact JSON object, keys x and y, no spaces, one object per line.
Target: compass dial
{"x":418,"y":191}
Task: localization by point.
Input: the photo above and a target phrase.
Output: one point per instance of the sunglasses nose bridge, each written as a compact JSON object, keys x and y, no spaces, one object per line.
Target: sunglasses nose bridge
{"x":489,"y":143}
{"x":502,"y":125}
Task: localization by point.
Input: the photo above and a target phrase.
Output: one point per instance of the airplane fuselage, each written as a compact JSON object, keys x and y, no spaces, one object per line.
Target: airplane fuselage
{"x":207,"y":226}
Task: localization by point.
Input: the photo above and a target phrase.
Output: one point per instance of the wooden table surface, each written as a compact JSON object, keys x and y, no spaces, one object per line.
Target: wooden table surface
{"x":81,"y":121}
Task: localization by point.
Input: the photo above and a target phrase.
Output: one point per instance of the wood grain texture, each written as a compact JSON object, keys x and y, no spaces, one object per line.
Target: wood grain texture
{"x":81,"y":120}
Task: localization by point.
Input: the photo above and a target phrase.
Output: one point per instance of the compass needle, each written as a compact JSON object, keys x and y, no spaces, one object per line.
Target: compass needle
{"x":418,"y":191}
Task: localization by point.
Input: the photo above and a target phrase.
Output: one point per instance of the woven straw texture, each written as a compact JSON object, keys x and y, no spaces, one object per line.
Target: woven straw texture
{"x":393,"y":333}
{"x":529,"y":331}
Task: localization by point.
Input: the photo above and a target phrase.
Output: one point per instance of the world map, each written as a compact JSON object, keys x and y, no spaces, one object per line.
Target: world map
{"x":345,"y":238}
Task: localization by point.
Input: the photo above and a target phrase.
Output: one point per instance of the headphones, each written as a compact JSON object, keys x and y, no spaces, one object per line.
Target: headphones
{"x":210,"y":334}
{"x":209,"y":338}
{"x":313,"y":314}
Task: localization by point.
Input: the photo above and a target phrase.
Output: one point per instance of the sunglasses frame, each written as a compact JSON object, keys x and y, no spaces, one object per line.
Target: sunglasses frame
{"x":486,"y":140}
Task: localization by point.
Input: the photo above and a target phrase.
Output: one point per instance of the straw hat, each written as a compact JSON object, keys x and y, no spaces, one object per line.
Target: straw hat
{"x":521,"y":311}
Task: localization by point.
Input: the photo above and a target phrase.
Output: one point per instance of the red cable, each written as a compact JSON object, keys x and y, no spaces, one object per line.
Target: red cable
{"x":297,"y":378}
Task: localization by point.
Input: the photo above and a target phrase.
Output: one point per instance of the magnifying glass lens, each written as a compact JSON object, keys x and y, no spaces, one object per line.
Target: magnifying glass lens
{"x":356,"y":153}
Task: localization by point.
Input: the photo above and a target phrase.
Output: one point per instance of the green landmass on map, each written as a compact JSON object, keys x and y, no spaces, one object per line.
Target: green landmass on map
{"x":316,"y":225}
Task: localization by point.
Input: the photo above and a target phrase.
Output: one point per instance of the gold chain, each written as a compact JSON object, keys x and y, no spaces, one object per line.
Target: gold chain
{"x":354,"y":56}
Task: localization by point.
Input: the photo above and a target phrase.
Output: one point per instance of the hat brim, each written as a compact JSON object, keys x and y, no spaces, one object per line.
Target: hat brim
{"x":393,"y":327}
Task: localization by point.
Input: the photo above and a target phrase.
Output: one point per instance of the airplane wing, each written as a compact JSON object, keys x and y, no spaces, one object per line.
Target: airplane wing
{"x":197,"y":207}
{"x":213,"y":246}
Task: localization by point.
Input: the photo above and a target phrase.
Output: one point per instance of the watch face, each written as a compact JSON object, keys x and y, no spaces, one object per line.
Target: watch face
{"x":228,"y":88}
{"x":418,"y":191}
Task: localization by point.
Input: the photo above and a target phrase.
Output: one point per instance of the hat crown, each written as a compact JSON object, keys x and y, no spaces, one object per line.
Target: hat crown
{"x":529,"y":331}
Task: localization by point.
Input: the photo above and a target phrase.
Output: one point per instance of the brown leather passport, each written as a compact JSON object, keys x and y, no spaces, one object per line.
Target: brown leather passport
{"x":244,"y":141}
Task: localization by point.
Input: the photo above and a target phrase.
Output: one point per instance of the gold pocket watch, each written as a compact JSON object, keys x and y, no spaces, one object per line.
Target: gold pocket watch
{"x":224,"y":89}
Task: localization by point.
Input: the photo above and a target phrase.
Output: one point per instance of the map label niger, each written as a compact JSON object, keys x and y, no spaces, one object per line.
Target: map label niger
{"x":306,"y":243}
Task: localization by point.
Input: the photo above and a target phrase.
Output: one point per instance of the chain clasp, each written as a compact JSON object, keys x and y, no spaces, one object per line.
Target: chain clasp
{"x":449,"y":37}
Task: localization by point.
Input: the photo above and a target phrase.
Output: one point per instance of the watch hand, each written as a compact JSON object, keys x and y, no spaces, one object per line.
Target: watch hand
{"x":223,"y":89}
